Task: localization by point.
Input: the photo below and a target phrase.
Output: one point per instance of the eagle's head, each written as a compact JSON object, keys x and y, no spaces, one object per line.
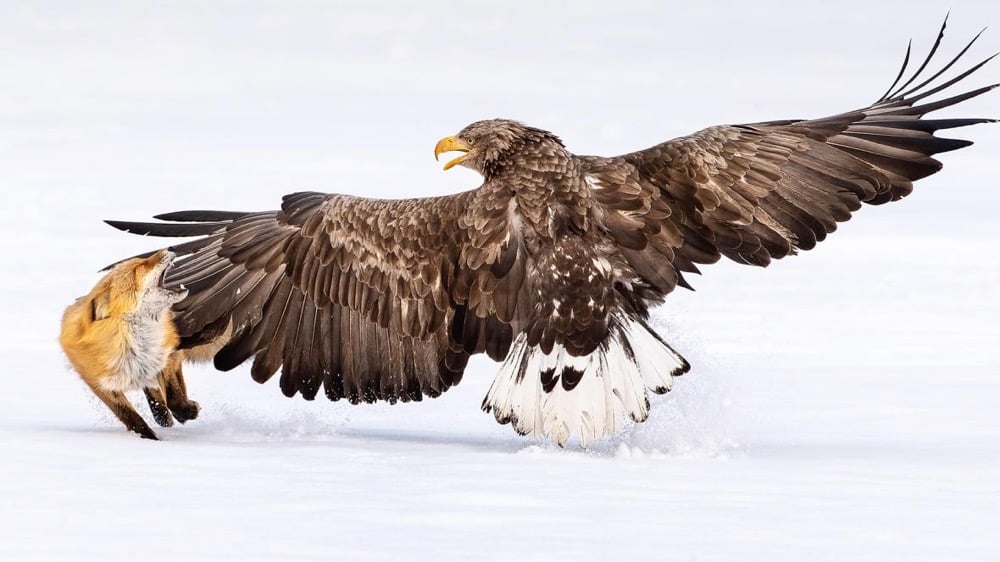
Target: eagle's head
{"x":490,"y":146}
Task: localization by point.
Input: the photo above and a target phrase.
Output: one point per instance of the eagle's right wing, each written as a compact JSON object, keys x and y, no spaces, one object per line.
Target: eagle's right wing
{"x":370,"y":299}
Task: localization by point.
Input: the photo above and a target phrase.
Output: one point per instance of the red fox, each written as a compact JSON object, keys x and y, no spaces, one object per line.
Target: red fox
{"x":121,"y":337}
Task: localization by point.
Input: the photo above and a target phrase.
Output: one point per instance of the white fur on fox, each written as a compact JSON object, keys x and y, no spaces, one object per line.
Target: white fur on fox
{"x":146,"y":353}
{"x":145,"y":356}
{"x":616,"y":381}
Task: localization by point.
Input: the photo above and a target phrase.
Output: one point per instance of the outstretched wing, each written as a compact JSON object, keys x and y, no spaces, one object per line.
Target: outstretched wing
{"x":370,"y":299}
{"x":763,"y":191}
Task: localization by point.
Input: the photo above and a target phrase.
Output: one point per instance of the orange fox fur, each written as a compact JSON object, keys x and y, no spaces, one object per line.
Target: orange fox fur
{"x":121,"y":337}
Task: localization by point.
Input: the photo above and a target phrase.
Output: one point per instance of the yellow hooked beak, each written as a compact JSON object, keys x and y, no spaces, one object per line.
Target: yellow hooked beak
{"x":451,"y":144}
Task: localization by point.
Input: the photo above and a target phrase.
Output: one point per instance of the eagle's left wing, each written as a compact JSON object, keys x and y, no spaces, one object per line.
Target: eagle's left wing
{"x":762,"y":191}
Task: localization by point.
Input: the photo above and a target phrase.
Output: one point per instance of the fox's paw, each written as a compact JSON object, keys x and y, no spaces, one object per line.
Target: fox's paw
{"x":143,"y":431}
{"x":186,"y":411}
{"x":160,"y":412}
{"x":163,"y":418}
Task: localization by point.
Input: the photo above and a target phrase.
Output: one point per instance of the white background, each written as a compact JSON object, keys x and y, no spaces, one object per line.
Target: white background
{"x":842,"y":404}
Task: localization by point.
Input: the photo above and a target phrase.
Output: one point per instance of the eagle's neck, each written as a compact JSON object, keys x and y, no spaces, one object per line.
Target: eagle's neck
{"x":550,"y":194}
{"x":531,"y":154}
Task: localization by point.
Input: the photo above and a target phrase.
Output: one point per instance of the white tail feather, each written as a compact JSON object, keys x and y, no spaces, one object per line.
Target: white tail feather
{"x":534,"y":391}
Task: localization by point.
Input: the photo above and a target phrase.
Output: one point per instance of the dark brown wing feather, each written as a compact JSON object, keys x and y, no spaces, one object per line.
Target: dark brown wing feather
{"x":367,"y":299}
{"x":762,"y":191}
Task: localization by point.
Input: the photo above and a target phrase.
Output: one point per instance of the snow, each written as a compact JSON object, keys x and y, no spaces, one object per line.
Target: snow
{"x":841,"y":404}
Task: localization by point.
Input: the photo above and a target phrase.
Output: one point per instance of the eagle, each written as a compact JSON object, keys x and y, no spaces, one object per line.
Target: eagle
{"x":551,"y":265}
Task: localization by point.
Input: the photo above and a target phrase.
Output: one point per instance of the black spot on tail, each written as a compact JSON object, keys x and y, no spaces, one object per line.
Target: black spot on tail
{"x":549,"y":379}
{"x":627,"y":347}
{"x":570,"y":378}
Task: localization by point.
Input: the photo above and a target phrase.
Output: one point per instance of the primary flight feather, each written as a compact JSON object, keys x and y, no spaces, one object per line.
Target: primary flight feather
{"x":551,"y":265}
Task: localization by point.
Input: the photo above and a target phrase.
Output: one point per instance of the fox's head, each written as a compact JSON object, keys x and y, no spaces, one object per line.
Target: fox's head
{"x":136,"y":286}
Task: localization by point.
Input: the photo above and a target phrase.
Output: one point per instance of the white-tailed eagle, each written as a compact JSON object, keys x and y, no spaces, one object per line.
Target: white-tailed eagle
{"x":551,"y":265}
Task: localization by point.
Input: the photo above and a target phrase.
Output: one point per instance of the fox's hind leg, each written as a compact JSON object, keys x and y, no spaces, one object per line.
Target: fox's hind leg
{"x":123,"y":410}
{"x":172,"y":383}
{"x":158,"y":406}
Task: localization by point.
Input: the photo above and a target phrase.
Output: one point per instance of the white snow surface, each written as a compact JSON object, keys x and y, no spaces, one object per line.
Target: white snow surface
{"x":843,"y":404}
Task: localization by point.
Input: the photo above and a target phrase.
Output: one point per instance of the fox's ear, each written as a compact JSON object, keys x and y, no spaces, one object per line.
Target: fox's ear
{"x":100,"y":307}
